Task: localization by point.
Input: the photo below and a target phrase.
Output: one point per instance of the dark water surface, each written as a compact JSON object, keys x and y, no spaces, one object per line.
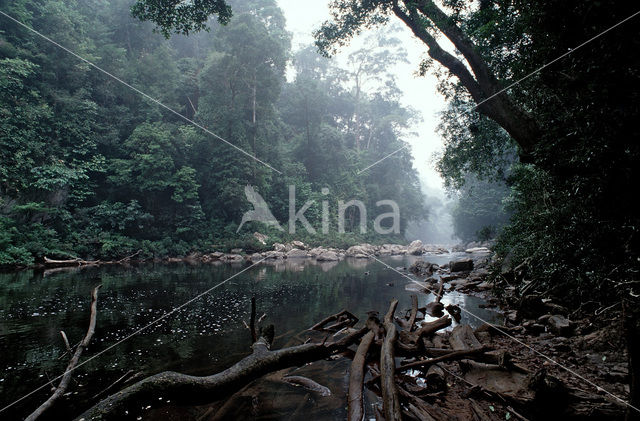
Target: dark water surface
{"x":203,"y":338}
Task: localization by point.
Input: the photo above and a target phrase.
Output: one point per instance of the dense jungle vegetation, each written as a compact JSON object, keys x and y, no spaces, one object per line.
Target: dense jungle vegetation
{"x":90,"y":168}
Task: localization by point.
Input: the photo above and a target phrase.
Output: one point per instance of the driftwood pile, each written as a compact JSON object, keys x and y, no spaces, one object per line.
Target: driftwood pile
{"x":418,"y":369}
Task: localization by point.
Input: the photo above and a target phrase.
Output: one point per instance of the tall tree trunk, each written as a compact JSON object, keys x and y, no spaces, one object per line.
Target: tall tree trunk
{"x":482,"y":85}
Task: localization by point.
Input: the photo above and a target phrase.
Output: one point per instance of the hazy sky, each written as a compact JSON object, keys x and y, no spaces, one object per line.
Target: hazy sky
{"x":303,"y":16}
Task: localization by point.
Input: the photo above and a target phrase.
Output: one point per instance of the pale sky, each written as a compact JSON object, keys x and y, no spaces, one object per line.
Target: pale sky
{"x":303,"y":16}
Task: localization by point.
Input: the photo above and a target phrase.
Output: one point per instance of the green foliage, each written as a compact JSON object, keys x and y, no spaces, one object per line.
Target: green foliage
{"x":569,"y":227}
{"x":90,"y":169}
{"x":479,"y":213}
{"x":179,"y":16}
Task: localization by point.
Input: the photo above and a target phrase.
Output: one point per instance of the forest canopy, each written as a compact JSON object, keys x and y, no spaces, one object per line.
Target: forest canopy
{"x":90,"y":168}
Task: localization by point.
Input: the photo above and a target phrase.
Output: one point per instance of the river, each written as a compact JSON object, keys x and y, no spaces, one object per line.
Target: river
{"x":202,"y":338}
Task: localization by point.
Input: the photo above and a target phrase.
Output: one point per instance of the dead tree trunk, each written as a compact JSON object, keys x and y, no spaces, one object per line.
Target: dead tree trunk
{"x":66,"y":377}
{"x":390,"y":400}
{"x":356,"y":378}
{"x":185,"y":389}
{"x":482,"y":84}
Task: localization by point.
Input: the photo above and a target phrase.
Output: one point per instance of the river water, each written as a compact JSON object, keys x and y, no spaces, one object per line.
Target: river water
{"x":202,"y":338}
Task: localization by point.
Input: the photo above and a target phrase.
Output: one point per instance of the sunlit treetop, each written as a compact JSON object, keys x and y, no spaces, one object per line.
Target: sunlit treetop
{"x":181,"y":16}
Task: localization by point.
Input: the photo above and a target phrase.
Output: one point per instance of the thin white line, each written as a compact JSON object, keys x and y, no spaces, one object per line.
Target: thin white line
{"x":523,"y":78}
{"x":553,"y":61}
{"x":132,"y":334}
{"x":140,"y":92}
{"x":515,"y":339}
{"x":380,"y":160}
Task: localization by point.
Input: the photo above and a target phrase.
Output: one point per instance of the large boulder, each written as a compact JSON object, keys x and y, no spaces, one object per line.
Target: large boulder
{"x":327,"y":256}
{"x":279,"y":247}
{"x":274,"y":254}
{"x":461,"y":265}
{"x":560,"y":325}
{"x":392,"y":249}
{"x":296,"y":253}
{"x":422,"y":268}
{"x":298,"y":244}
{"x":415,"y":248}
{"x":478,"y":250}
{"x":260,"y":238}
{"x":232,"y":258}
{"x":317,"y":251}
{"x":434,"y":249}
{"x":360,"y":251}
{"x":216,"y":255}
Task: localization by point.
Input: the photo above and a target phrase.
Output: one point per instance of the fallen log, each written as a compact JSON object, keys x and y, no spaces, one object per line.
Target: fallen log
{"x":409,"y":323}
{"x":454,"y":311}
{"x":462,"y":337}
{"x":186,"y":389}
{"x":66,"y":377}
{"x":356,"y":379}
{"x":308,"y":384}
{"x":390,"y":400}
{"x":421,"y":409}
{"x":454,"y":355}
{"x":340,"y":316}
{"x":434,"y":326}
{"x":422,"y":364}
{"x":69,"y":262}
{"x":435,"y":378}
{"x":434,"y":308}
{"x":409,"y":340}
{"x":54,"y":263}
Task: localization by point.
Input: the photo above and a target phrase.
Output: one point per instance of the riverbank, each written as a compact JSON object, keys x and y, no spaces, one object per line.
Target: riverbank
{"x":581,"y":356}
{"x":278,"y":251}
{"x":294,"y":293}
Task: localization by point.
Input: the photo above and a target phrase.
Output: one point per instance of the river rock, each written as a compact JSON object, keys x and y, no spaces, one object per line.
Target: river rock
{"x":478,"y":250}
{"x":274,"y":254}
{"x":434,"y":249}
{"x":327,"y":256}
{"x":415,"y":248}
{"x":459,"y":283}
{"x":360,"y":251}
{"x":298,"y":244}
{"x":483,"y":286}
{"x":233,"y":257}
{"x":560,"y":325}
{"x":296,"y":253}
{"x":216,"y":255}
{"x":554,"y":308}
{"x":260,"y":238}
{"x":255,"y":257}
{"x":461,"y":265}
{"x":392,"y":249}
{"x":279,"y":247}
{"x":317,"y":251}
{"x":423,"y":268}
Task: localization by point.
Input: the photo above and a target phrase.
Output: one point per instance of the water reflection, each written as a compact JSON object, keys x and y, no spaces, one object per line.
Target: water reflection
{"x":200,"y":339}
